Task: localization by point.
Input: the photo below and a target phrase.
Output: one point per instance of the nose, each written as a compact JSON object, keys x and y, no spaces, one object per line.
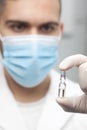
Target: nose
{"x":34,"y":31}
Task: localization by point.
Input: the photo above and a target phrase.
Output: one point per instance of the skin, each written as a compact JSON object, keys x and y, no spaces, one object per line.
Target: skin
{"x":30,"y":17}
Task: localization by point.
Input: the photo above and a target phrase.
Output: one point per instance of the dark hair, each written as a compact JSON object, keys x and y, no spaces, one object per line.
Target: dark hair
{"x":2,"y":5}
{"x":3,"y":2}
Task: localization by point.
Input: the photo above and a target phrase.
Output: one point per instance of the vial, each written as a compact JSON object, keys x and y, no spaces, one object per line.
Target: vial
{"x":62,"y":84}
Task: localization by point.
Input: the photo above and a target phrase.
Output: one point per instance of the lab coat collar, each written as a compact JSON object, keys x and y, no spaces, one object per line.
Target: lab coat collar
{"x":53,"y":117}
{"x":10,"y":117}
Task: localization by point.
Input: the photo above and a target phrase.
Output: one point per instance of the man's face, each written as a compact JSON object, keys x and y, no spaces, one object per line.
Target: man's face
{"x":24,"y":17}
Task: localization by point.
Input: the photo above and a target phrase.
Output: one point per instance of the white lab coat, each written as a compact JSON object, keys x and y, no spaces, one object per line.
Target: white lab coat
{"x":52,"y":118}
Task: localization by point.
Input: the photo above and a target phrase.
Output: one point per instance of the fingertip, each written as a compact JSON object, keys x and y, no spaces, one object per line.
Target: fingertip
{"x":63,"y":66}
{"x":59,"y":100}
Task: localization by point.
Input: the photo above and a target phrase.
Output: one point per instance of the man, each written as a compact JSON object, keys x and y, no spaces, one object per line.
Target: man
{"x":30,"y":32}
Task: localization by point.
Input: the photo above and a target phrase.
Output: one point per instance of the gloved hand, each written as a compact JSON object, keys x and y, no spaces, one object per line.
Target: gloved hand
{"x":76,"y":104}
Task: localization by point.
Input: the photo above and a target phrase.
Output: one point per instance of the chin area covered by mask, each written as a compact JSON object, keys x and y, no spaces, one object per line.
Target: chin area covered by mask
{"x":29,"y":59}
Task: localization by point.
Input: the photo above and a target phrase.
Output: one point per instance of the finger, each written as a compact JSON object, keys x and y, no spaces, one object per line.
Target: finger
{"x":82,"y":77}
{"x":72,"y":61}
{"x":74,"y":104}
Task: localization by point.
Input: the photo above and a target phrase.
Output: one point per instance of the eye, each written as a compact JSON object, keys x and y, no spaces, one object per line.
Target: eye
{"x":18,"y":27}
{"x":47,"y":28}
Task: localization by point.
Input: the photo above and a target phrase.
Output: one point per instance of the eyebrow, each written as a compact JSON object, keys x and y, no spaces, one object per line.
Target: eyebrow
{"x":9,"y":22}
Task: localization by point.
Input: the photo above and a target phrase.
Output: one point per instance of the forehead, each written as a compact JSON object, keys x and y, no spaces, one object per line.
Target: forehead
{"x":32,"y":9}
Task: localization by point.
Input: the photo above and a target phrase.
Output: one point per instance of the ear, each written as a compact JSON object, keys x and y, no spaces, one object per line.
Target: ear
{"x":61,"y":29}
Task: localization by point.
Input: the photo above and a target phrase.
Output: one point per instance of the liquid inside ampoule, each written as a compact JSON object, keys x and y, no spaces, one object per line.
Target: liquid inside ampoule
{"x":62,"y":85}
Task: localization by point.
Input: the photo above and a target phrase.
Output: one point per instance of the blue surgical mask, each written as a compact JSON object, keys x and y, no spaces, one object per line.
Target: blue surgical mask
{"x":29,"y":59}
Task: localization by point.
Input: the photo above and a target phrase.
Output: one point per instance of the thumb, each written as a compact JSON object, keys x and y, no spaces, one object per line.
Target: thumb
{"x":66,"y":103}
{"x":72,"y":61}
{"x":74,"y":104}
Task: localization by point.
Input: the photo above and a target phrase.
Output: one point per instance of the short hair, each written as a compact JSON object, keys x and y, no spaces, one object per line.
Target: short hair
{"x":3,"y":3}
{"x":2,"y":6}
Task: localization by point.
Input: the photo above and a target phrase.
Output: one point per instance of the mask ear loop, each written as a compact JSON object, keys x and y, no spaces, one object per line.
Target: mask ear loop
{"x":1,"y":39}
{"x":60,"y":36}
{"x":1,"y":50}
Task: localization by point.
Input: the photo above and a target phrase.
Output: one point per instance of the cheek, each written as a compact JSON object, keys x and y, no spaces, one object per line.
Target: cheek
{"x":4,"y":30}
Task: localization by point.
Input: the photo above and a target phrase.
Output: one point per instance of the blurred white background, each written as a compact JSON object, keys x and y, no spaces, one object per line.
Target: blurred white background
{"x":74,"y":17}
